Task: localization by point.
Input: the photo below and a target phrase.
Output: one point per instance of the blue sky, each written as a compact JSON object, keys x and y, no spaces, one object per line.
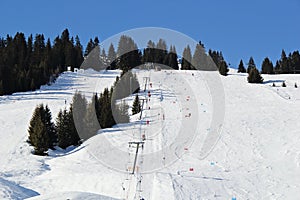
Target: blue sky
{"x":240,"y":29}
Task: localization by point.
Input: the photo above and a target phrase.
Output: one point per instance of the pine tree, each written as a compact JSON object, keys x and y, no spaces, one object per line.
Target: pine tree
{"x":50,"y":127}
{"x":129,"y":56}
{"x":90,"y":121}
{"x":111,"y":57}
{"x":161,"y":54}
{"x":254,"y":76}
{"x":223,"y":69}
{"x":78,"y":55}
{"x":284,"y":63}
{"x":241,"y":68}
{"x":62,"y":129}
{"x":136,"y":107}
{"x":149,"y":53}
{"x":90,"y":46}
{"x":251,"y":65}
{"x":199,"y":60}
{"x":38,"y":136}
{"x":217,"y":57}
{"x":171,"y":58}
{"x":277,"y":68}
{"x":267,"y":67}
{"x":66,"y":130}
{"x":186,"y":58}
{"x":78,"y":109}
{"x":295,"y":62}
{"x":74,"y":134}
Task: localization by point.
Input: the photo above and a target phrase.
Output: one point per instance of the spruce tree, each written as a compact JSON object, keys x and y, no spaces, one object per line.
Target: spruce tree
{"x":136,"y":107}
{"x":74,"y":134}
{"x":241,"y":68}
{"x":66,"y":130}
{"x":129,"y":56}
{"x":38,"y":136}
{"x":186,"y":58}
{"x":251,"y":65}
{"x":216,"y":56}
{"x":50,"y":127}
{"x":90,"y":121}
{"x":78,"y":110}
{"x":171,"y":58}
{"x":199,"y":60}
{"x":62,"y":129}
{"x":111,"y":56}
{"x":267,"y":67}
{"x":89,"y":47}
{"x":284,"y":63}
{"x":223,"y":69}
{"x":254,"y":76}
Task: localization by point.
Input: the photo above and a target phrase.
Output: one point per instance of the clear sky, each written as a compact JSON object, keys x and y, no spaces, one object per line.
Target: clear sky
{"x":239,"y":28}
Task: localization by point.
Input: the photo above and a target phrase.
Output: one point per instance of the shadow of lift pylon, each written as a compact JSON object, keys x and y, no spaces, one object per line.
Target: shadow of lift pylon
{"x":136,"y":153}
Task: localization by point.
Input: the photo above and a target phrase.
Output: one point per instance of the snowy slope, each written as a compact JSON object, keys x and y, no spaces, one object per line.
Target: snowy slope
{"x":257,"y":155}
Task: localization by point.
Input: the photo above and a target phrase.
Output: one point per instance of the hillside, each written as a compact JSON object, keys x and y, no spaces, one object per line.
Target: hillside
{"x":257,"y":155}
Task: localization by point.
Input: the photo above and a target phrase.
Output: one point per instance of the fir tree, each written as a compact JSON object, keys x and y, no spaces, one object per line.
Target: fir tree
{"x":223,"y":69}
{"x":254,"y":76}
{"x":39,"y":137}
{"x":111,"y":56}
{"x":267,"y":67}
{"x":50,"y":127}
{"x":186,"y":58}
{"x":284,"y":63}
{"x":90,"y":46}
{"x":171,"y":58}
{"x":66,"y":130}
{"x":199,"y":60}
{"x":241,"y":68}
{"x":78,"y":110}
{"x":90,"y":121}
{"x":217,"y":57}
{"x":128,"y":54}
{"x":136,"y":107}
{"x":251,"y":65}
{"x":62,"y":129}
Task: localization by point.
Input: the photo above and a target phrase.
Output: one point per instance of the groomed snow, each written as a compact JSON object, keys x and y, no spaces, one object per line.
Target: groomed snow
{"x":257,"y":155}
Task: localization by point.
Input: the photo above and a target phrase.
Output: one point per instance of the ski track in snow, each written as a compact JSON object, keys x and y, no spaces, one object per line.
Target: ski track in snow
{"x":256,"y":157}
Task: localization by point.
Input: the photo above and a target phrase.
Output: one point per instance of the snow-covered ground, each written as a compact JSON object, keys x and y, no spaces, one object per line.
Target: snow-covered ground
{"x":257,"y":155}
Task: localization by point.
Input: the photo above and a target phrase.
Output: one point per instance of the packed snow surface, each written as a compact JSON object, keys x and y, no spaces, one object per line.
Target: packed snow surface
{"x":257,"y":154}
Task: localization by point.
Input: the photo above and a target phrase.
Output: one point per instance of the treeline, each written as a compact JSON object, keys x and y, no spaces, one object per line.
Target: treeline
{"x":128,"y":56}
{"x":28,"y":63}
{"x":285,"y":65}
{"x":81,"y":120}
